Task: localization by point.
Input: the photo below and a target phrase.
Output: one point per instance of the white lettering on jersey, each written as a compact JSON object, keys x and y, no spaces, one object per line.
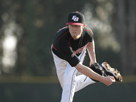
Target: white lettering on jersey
{"x":75,"y":18}
{"x":78,"y":51}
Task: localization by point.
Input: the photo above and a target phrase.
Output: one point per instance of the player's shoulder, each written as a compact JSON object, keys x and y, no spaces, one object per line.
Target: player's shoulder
{"x":63,"y":29}
{"x":61,"y":32}
{"x":87,"y":30}
{"x":61,"y":36}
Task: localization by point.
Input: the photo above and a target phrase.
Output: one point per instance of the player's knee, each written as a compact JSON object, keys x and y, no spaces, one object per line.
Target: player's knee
{"x":68,"y":77}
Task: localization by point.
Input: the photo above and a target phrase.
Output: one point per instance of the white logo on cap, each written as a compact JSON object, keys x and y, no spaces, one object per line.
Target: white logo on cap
{"x":75,"y":18}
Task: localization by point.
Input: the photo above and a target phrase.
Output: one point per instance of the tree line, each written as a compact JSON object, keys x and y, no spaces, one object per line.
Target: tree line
{"x":27,"y":29}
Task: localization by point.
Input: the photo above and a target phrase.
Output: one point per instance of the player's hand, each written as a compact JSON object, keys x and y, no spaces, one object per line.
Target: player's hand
{"x":108,"y":80}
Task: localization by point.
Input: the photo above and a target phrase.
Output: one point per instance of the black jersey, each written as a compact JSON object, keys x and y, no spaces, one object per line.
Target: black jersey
{"x":65,"y":47}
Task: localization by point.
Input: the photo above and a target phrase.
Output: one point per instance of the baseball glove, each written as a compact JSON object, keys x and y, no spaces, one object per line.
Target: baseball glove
{"x":106,"y":70}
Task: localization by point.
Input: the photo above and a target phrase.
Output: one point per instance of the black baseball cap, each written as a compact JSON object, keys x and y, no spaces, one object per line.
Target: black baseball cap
{"x":76,"y":18}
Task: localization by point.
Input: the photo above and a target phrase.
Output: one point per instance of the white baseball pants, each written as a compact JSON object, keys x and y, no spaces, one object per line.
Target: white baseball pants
{"x":68,"y":79}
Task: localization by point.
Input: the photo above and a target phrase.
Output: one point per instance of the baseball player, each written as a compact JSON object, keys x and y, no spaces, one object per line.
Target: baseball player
{"x":68,"y":50}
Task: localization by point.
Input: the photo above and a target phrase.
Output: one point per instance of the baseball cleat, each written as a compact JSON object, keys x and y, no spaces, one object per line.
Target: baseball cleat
{"x":112,"y":72}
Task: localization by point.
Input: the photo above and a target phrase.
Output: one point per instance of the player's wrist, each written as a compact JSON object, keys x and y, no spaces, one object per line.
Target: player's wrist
{"x":93,"y":62}
{"x":102,"y":79}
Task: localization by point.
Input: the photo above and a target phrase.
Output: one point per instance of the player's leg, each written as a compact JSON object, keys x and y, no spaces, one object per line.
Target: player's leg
{"x":69,"y":84}
{"x":66,"y":75}
{"x":60,"y":65}
{"x":73,"y":83}
{"x":82,"y":80}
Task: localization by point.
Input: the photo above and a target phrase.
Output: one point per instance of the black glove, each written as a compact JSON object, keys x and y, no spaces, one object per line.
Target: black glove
{"x":98,"y":69}
{"x":106,"y":70}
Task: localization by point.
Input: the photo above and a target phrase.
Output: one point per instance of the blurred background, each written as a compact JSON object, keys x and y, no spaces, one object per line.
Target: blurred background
{"x":27,"y":29}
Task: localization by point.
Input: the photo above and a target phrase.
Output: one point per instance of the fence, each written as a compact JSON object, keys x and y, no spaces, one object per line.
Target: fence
{"x":47,"y":89}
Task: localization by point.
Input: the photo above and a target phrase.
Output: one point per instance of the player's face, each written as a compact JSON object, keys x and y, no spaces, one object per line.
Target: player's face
{"x":76,"y":31}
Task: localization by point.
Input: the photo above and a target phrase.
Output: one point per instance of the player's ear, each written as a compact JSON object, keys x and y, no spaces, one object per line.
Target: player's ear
{"x":83,"y":25}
